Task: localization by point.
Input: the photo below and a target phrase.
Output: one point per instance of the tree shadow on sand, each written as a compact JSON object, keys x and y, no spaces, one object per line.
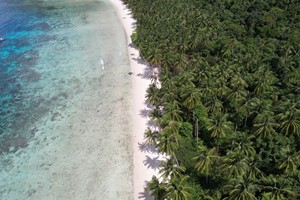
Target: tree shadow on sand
{"x":132,"y":45}
{"x":145,"y":195}
{"x":145,"y":112}
{"x":133,"y":25}
{"x":139,"y":59}
{"x":152,"y":125}
{"x":147,"y":148}
{"x":152,"y":163}
{"x":149,"y":72}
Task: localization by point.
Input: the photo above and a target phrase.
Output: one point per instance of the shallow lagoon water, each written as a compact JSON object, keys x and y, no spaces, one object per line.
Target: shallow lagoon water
{"x":64,"y":101}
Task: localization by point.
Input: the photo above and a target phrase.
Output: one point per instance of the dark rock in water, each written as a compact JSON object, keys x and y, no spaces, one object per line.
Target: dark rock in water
{"x":51,"y":8}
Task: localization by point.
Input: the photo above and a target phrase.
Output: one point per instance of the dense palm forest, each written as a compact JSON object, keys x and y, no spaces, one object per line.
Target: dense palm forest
{"x":227,"y":101}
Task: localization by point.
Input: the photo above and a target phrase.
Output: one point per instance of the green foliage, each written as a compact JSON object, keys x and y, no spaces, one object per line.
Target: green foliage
{"x":156,"y":188}
{"x":134,"y":38}
{"x":186,"y":130}
{"x":202,"y":115}
{"x":229,"y":83}
{"x":277,"y":188}
{"x":186,"y":152}
{"x":219,"y":126}
{"x":240,"y":188}
{"x":178,"y":189}
{"x":206,"y":160}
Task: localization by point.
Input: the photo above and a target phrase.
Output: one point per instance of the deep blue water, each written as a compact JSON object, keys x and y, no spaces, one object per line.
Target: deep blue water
{"x":24,"y":30}
{"x":27,"y":27}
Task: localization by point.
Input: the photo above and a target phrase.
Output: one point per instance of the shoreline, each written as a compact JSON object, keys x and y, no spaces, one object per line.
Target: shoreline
{"x":145,"y":161}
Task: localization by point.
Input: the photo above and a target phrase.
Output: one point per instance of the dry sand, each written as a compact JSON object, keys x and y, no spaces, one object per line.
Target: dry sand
{"x":146,"y":159}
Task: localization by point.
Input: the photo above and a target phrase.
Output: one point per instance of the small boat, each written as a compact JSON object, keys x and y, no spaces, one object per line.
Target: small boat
{"x":1,"y":39}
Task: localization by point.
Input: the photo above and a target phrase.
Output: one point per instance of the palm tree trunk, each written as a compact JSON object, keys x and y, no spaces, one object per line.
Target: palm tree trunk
{"x":246,"y":121}
{"x":196,"y":125}
{"x":175,"y":159}
{"x":197,"y":129}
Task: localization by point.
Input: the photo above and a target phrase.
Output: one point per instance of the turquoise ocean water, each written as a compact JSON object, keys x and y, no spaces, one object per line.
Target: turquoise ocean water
{"x":64,"y":101}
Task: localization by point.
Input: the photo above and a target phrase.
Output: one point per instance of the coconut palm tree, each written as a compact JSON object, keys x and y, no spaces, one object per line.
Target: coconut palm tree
{"x":151,"y":136}
{"x":187,"y":78}
{"x":254,"y":172}
{"x":206,"y":91}
{"x":172,"y":109}
{"x":264,"y":81}
{"x":237,"y":92}
{"x":290,"y":160}
{"x":152,"y":96}
{"x":206,"y":160}
{"x":222,"y":89}
{"x":219,"y":125}
{"x":234,"y":164}
{"x":265,"y":125}
{"x":290,"y":122}
{"x":217,"y":195}
{"x":244,"y":145}
{"x":156,"y":116}
{"x":241,"y":188}
{"x":289,"y":165}
{"x":170,"y":126}
{"x":156,"y":188}
{"x":169,"y":169}
{"x":178,"y":189}
{"x":247,"y":107}
{"x":214,"y":106}
{"x":191,"y":97}
{"x":276,"y":188}
{"x":236,"y":95}
{"x":167,"y":143}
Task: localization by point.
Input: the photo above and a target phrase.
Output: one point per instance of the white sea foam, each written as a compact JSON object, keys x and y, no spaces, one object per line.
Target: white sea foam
{"x":101,"y":64}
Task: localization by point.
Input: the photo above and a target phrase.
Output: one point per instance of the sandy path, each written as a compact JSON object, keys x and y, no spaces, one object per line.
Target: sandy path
{"x":146,"y":159}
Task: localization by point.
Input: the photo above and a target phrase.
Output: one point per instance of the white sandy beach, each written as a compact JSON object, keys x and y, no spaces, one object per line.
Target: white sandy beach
{"x":146,"y":159}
